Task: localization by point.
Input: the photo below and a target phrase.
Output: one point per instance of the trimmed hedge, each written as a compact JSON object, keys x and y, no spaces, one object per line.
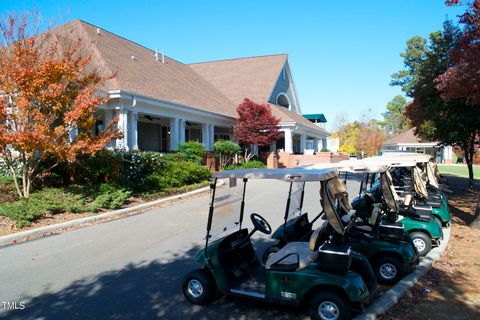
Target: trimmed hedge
{"x":252,"y":164}
{"x":177,"y":174}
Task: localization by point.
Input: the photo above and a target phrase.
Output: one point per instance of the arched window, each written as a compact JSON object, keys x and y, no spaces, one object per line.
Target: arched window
{"x":282,"y":100}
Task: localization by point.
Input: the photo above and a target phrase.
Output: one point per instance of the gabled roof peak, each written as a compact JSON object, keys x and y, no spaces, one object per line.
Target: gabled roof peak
{"x":243,"y":58}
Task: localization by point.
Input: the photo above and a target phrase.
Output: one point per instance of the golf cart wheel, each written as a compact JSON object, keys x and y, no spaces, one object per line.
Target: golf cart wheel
{"x":422,"y":242}
{"x":388,"y":270}
{"x":199,"y":287}
{"x":329,"y":305}
{"x":269,"y":252}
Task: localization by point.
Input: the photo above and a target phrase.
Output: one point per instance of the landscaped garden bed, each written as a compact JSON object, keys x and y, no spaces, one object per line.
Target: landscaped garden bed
{"x":107,"y":181}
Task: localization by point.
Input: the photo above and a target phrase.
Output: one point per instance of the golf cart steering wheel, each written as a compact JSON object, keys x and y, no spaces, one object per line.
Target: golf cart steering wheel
{"x":260,"y":223}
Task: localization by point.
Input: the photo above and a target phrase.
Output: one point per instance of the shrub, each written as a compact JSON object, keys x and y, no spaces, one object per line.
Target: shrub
{"x":225,"y":151}
{"x":252,"y":164}
{"x":171,"y":157}
{"x":23,"y":212}
{"x":177,"y":174}
{"x":192,"y":151}
{"x":324,"y":150}
{"x":153,"y":160}
{"x":134,"y":170}
{"x":55,"y":200}
{"x":110,"y":197}
{"x":104,"y":166}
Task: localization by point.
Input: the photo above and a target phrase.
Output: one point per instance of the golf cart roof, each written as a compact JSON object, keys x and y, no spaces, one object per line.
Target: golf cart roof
{"x":294,"y":174}
{"x":354,"y":166}
{"x":393,"y":161}
{"x":418,"y":157}
{"x":361,"y":166}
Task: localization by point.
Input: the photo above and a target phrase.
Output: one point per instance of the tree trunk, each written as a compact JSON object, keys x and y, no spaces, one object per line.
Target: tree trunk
{"x":15,"y":179}
{"x":471,"y":185}
{"x":469,"y":153}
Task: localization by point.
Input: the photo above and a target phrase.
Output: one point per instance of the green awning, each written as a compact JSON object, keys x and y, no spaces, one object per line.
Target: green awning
{"x":320,"y":117}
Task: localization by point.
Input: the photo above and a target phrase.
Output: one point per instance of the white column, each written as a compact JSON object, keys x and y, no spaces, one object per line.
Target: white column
{"x":134,"y":130}
{"x":206,"y":137}
{"x":288,"y":140}
{"x":211,"y":135}
{"x":447,"y":153}
{"x":122,"y":143}
{"x":315,"y":144}
{"x":181,"y":130}
{"x":173,"y":134}
{"x":303,"y":142}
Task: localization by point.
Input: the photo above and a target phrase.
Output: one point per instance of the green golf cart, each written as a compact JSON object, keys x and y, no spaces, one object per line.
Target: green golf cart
{"x":300,"y":273}
{"x":423,"y":181}
{"x":416,"y":216}
{"x":388,"y":248}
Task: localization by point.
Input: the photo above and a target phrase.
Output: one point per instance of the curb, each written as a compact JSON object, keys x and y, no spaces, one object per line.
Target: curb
{"x":391,"y":297}
{"x":38,"y":232}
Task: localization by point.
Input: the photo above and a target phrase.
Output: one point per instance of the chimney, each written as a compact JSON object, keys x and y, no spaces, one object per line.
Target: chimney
{"x":98,"y":30}
{"x":163,"y":56}
{"x":156,"y":54}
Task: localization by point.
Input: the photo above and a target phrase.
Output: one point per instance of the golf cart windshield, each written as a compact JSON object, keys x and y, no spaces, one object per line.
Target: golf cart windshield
{"x":227,"y":206}
{"x":296,"y":200}
{"x":361,"y":172}
{"x":227,"y":211}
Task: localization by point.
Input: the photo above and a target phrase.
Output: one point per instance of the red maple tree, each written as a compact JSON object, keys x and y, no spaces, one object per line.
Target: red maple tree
{"x":48,"y":92}
{"x":462,"y":79}
{"x":255,"y":126}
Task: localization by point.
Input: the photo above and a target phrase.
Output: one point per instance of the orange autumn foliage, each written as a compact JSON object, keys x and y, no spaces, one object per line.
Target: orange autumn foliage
{"x":48,"y":95}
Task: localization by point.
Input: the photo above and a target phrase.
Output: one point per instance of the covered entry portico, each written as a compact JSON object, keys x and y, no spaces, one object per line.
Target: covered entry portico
{"x":299,"y":139}
{"x":150,"y":125}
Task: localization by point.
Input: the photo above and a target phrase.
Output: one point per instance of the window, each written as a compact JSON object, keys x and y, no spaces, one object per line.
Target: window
{"x":282,"y":100}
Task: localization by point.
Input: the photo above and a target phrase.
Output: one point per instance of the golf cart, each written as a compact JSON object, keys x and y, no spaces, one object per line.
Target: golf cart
{"x":425,"y":184}
{"x":301,"y":272}
{"x":388,"y":248}
{"x":416,"y":216}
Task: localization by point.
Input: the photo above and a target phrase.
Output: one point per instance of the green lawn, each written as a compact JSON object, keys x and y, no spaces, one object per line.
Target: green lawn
{"x":459,"y":170}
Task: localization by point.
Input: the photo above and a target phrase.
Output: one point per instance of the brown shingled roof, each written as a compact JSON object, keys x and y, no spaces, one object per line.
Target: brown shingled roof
{"x":217,"y":86}
{"x":406,"y":137}
{"x":252,"y":78}
{"x":171,"y":81}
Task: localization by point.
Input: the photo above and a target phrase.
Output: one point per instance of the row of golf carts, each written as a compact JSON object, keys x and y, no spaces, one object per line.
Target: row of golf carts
{"x":329,"y":261}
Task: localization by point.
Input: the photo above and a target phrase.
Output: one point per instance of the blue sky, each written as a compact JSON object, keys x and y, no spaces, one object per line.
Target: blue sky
{"x":342,"y":52}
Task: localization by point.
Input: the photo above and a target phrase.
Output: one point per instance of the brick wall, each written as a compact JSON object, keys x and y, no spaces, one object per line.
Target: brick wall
{"x":286,"y":160}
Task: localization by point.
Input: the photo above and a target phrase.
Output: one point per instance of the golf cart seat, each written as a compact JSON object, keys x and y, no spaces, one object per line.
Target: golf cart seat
{"x":373,"y":220}
{"x":302,"y":252}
